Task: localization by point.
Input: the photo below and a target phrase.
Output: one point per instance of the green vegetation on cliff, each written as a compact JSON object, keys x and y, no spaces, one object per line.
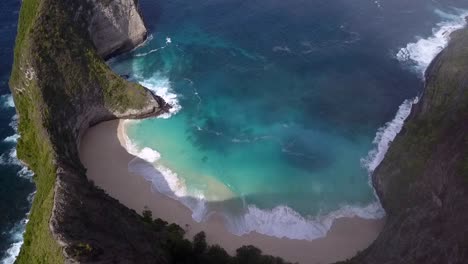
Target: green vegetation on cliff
{"x":61,"y":86}
{"x":34,"y":148}
{"x":55,"y":65}
{"x":184,"y":251}
{"x":439,"y":121}
{"x":423,"y":180}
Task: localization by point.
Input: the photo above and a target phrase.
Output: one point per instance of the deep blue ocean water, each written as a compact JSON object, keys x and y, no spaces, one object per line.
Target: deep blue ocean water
{"x":278,"y":104}
{"x":16,"y":186}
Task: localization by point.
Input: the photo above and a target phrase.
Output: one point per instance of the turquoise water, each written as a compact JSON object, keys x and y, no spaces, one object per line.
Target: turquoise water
{"x":276,"y":105}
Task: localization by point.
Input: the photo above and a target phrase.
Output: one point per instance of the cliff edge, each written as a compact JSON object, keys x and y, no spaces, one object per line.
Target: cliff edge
{"x":423,"y":180}
{"x":116,"y":26}
{"x":61,"y":86}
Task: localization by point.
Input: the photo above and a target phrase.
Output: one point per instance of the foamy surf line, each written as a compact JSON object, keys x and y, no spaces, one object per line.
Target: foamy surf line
{"x":161,"y":86}
{"x":281,"y":222}
{"x":17,"y":241}
{"x":10,"y":159}
{"x":162,"y":179}
{"x":420,"y":54}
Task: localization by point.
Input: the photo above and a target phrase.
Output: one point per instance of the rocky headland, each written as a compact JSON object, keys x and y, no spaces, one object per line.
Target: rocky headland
{"x":423,"y":180}
{"x":62,"y":86}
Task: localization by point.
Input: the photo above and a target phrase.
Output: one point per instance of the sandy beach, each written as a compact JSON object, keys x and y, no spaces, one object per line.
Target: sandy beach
{"x":106,"y":159}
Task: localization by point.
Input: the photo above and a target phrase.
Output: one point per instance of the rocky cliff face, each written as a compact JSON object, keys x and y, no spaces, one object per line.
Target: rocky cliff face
{"x":423,"y":180}
{"x":116,"y":26}
{"x":61,"y":86}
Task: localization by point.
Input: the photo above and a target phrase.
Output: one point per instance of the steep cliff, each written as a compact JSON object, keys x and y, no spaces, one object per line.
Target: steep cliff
{"x":115,"y":26}
{"x":423,"y":180}
{"x":61,"y":86}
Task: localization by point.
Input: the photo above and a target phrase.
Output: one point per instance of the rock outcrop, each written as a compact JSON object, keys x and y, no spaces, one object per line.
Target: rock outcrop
{"x":423,"y":180}
{"x":116,"y":26}
{"x":62,"y":86}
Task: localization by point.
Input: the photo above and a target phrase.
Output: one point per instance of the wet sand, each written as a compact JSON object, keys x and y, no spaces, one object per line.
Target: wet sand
{"x":103,"y":154}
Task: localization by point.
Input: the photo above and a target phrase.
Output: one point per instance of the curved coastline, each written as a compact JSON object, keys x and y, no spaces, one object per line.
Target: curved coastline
{"x":63,"y":188}
{"x":106,"y":159}
{"x":167,"y":182}
{"x":215,"y":226}
{"x":279,"y":222}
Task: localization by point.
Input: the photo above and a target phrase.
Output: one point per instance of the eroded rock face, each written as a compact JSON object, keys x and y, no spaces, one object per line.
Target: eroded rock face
{"x":62,"y":86}
{"x":116,"y":26}
{"x":423,"y":180}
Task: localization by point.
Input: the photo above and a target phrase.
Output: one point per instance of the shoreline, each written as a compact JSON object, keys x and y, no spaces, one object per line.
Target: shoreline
{"x":106,"y":160}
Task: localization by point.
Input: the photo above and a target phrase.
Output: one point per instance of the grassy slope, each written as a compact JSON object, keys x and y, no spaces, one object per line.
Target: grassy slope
{"x":39,"y":245}
{"x":69,"y":78}
{"x":66,"y":66}
{"x":436,"y":121}
{"x":422,"y":180}
{"x":48,"y":43}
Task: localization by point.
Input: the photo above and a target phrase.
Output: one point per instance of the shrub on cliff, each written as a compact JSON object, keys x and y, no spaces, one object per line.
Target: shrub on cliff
{"x":183,"y":251}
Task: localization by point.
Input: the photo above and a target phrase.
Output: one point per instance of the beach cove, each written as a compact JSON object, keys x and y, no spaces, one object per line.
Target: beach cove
{"x":166,"y":153}
{"x":107,"y":161}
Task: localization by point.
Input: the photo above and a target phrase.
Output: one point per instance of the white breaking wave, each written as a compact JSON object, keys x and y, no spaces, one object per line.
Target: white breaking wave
{"x":280,"y":222}
{"x":284,"y":222}
{"x":14,"y":122}
{"x":158,"y":83}
{"x":421,"y":53}
{"x":17,"y":241}
{"x":11,"y":159}
{"x":161,"y":86}
{"x":14,"y":138}
{"x":386,"y":134}
{"x":162,"y":179}
{"x":6,"y":101}
{"x":16,"y":234}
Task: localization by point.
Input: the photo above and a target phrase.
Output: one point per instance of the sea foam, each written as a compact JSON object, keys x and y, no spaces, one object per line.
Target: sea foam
{"x":161,"y":86}
{"x":6,"y":101}
{"x":163,"y":180}
{"x":386,"y":134}
{"x":283,"y":221}
{"x":10,"y":158}
{"x":16,"y":236}
{"x":420,"y":54}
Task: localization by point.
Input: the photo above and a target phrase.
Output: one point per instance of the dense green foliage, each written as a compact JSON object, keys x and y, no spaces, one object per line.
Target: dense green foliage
{"x":183,"y":251}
